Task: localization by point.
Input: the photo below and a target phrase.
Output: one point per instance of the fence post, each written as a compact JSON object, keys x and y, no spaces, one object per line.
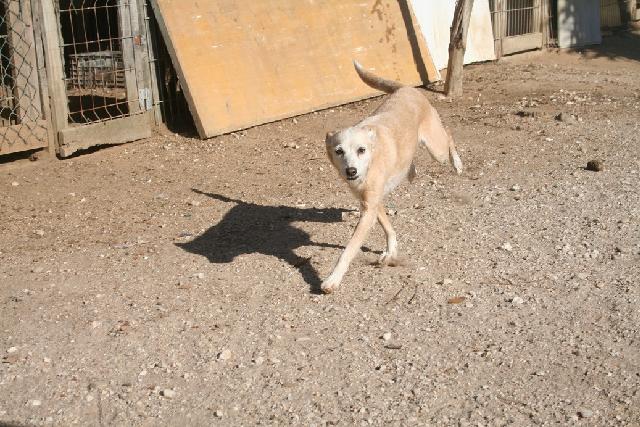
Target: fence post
{"x":54,"y":68}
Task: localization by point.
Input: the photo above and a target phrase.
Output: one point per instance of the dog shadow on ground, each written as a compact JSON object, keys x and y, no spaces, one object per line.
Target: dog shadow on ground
{"x":251,"y":228}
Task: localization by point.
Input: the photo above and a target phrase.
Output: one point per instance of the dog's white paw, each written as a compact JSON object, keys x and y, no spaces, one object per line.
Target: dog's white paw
{"x":330,"y":284}
{"x":390,"y":260}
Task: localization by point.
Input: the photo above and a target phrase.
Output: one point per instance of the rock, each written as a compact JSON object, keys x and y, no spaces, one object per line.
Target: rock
{"x":517,"y":301}
{"x":515,"y":187}
{"x":507,"y":247}
{"x":194,"y":203}
{"x":36,"y":402}
{"x":585,"y":413}
{"x":566,"y":117}
{"x":386,"y":336}
{"x":224,"y":355}
{"x":39,"y":233}
{"x":12,"y":350}
{"x":218,"y":413}
{"x":37,"y":270}
{"x":89,"y":397}
{"x":168,"y":393}
{"x":15,"y":183}
{"x":258,"y":360}
{"x":199,"y":276}
{"x":595,"y":165}
{"x":447,"y":282}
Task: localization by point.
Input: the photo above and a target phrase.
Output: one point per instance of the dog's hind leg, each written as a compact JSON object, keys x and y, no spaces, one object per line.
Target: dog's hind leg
{"x":439,"y":143}
{"x":367,"y":220}
{"x":390,"y":256}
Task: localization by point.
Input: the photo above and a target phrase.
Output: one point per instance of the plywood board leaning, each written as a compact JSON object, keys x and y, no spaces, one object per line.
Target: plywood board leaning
{"x":247,"y":63}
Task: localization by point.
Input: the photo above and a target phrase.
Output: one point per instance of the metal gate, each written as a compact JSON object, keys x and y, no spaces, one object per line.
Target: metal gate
{"x":22,"y":111}
{"x":517,"y":25}
{"x":100,"y":72}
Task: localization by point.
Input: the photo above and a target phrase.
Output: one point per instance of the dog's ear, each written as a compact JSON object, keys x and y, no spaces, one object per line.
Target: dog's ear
{"x":330,"y":137}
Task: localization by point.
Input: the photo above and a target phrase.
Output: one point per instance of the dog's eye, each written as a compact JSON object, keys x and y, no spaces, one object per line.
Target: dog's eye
{"x":339,"y":151}
{"x":361,"y":150}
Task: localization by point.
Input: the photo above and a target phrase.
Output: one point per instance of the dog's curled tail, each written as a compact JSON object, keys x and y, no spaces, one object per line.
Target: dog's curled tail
{"x":388,"y":86}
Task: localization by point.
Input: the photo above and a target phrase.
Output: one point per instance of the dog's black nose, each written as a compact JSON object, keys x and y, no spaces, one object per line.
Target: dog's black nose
{"x":351,"y":172}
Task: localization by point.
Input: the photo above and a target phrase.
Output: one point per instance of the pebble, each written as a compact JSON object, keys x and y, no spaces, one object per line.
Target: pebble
{"x":515,"y":187}
{"x":12,"y":349}
{"x":585,"y":413}
{"x":89,"y":397}
{"x":168,"y":393}
{"x":37,"y":270}
{"x":447,"y":282}
{"x":194,"y":203}
{"x":507,"y":246}
{"x":258,"y":360}
{"x":595,"y":165}
{"x":386,"y":336}
{"x":39,"y":232}
{"x":199,"y":275}
{"x":517,"y":300}
{"x":15,"y":183}
{"x":218,"y":413}
{"x":224,"y":355}
{"x":36,"y":402}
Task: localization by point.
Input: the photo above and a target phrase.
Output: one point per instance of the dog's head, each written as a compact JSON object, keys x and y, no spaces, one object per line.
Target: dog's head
{"x":350,"y":151}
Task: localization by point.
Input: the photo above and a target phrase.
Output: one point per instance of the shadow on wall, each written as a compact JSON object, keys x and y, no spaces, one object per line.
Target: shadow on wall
{"x":251,"y":228}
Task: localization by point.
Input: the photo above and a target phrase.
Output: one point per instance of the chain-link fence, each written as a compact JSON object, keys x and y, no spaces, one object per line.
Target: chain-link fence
{"x":22,"y":126}
{"x":96,"y":40}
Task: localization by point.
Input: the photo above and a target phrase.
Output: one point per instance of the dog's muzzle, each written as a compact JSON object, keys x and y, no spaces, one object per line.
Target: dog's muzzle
{"x":352,"y":173}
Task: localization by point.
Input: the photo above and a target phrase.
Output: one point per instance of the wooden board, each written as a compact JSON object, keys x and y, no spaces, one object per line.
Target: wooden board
{"x":245,"y":63}
{"x":116,"y":131}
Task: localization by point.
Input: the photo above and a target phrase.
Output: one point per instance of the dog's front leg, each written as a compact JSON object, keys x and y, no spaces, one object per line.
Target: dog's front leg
{"x":390,"y":256}
{"x":367,"y":219}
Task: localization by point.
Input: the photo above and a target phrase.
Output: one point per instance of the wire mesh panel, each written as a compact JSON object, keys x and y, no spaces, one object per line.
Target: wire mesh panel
{"x":516,"y":25}
{"x":22,"y":126}
{"x":99,"y":59}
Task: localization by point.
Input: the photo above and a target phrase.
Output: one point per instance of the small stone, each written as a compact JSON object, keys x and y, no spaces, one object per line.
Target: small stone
{"x":258,"y":360}
{"x":386,"y":336}
{"x":194,"y":203}
{"x":224,"y":355}
{"x":12,"y":350}
{"x":46,"y":360}
{"x":37,"y":270}
{"x":515,"y":187}
{"x":585,"y":413}
{"x":15,"y":183}
{"x":199,"y":275}
{"x":39,"y":233}
{"x":447,"y":282}
{"x":36,"y":402}
{"x":168,"y":393}
{"x":89,"y":397}
{"x":295,"y":121}
{"x":507,"y":247}
{"x":595,"y":165}
{"x":517,"y":301}
{"x":218,"y":413}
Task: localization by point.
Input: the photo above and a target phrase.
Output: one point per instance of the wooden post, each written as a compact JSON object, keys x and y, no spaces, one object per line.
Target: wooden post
{"x":57,"y":90}
{"x":457,"y":47}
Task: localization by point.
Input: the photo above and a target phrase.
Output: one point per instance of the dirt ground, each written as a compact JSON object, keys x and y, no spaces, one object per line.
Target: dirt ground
{"x":174,"y":280}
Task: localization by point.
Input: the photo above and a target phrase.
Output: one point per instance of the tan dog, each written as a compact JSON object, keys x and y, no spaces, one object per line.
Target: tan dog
{"x":376,"y":155}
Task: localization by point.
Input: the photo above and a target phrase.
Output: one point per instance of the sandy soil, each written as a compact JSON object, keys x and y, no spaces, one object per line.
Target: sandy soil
{"x":173,"y":280}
